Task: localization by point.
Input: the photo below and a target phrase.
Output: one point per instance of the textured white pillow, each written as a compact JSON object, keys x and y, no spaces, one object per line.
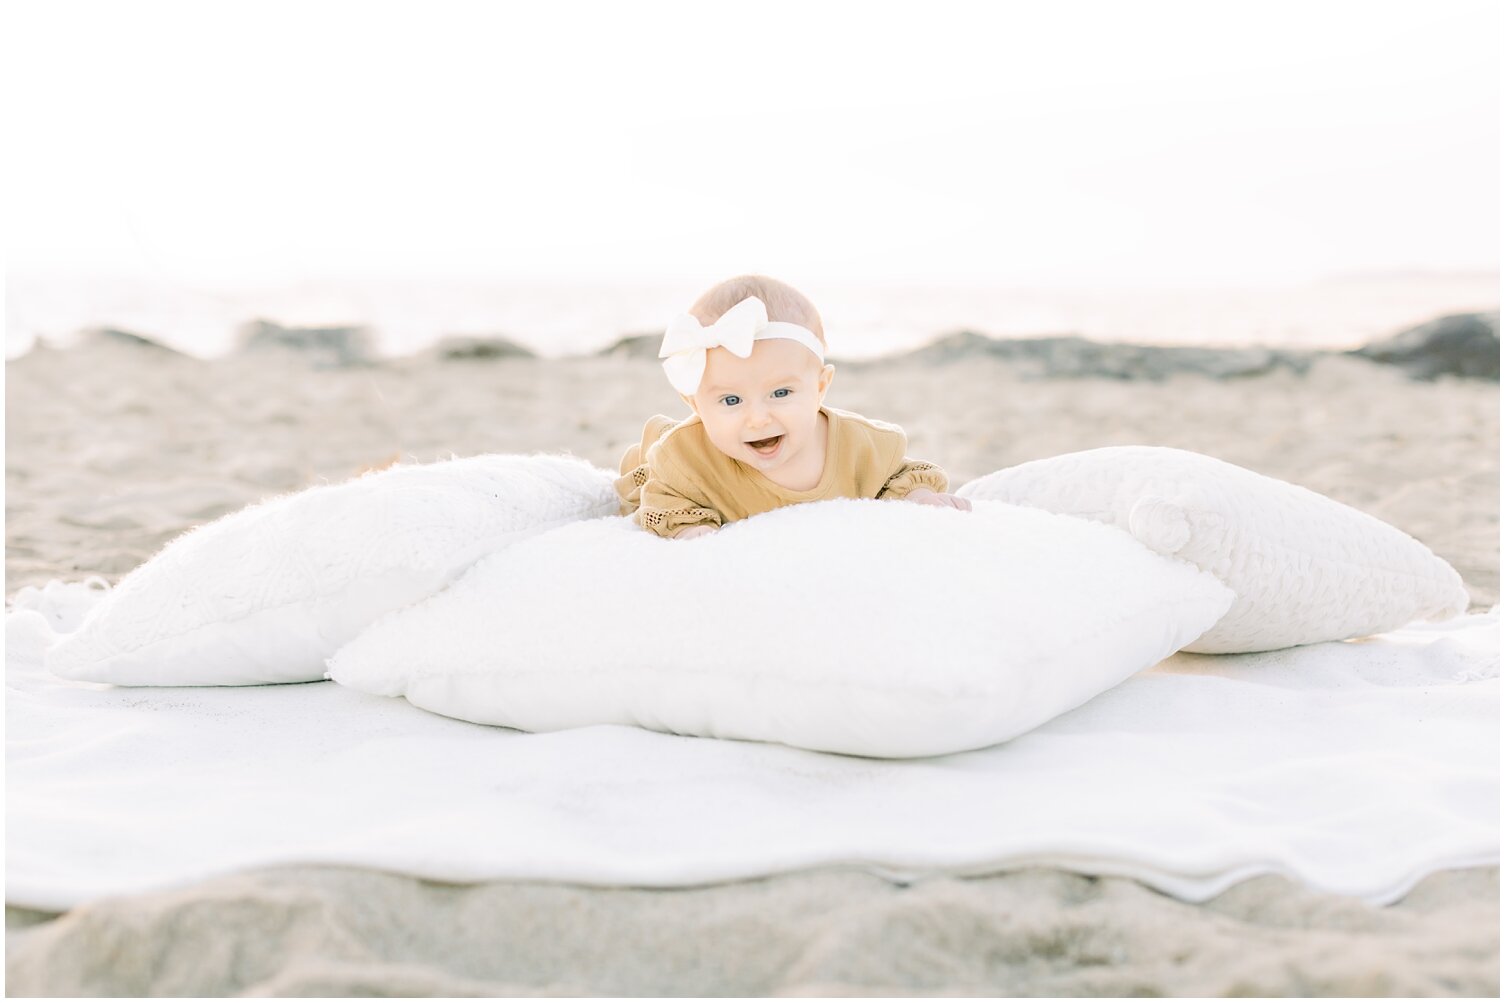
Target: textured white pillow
{"x":266,"y":594}
{"x":875,"y":628}
{"x":1306,"y":568}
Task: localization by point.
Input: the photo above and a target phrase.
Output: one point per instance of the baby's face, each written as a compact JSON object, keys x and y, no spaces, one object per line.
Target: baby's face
{"x":763,"y":410}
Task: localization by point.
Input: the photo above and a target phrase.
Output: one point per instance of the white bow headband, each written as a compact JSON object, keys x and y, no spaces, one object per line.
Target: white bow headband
{"x":686,"y":341}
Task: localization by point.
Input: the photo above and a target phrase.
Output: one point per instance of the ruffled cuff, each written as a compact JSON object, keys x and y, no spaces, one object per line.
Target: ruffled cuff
{"x":914,"y":474}
{"x":667,"y":522}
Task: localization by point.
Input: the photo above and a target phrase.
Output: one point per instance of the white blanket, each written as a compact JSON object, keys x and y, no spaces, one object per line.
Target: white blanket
{"x":1357,"y":768}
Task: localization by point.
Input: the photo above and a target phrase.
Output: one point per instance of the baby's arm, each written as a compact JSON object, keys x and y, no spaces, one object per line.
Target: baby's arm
{"x":673,"y":514}
{"x":925,"y":496}
{"x":922,"y":483}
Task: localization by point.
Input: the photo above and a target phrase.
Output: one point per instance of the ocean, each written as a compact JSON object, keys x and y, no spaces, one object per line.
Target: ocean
{"x":564,"y":317}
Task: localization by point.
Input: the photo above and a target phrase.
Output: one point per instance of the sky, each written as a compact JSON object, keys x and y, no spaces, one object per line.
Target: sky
{"x":1085,"y":143}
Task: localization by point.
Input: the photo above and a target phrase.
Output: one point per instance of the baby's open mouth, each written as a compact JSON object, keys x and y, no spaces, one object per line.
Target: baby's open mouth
{"x":766,"y":445}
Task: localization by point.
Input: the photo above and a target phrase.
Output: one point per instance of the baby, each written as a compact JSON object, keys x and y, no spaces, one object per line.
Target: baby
{"x":761,"y":436}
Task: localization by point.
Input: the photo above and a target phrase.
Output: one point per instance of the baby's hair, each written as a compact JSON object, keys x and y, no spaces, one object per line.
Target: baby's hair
{"x":784,"y":302}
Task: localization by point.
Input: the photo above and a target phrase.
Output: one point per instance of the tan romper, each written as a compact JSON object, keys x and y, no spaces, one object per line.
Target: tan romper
{"x":676,"y":478}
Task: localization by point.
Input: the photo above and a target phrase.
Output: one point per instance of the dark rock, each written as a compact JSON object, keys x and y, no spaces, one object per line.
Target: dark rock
{"x":1071,"y":356}
{"x":468,"y":348}
{"x":635,"y":346}
{"x":115,"y":336}
{"x":1464,"y":344}
{"x":955,"y":346}
{"x":324,"y":346}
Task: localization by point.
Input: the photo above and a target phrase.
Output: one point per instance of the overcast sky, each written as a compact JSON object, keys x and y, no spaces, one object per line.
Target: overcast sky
{"x":1063,"y":142}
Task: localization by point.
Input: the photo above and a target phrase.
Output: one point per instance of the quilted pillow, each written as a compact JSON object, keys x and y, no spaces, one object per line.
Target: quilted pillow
{"x":266,"y":594}
{"x":867,"y":627}
{"x":1305,"y":568}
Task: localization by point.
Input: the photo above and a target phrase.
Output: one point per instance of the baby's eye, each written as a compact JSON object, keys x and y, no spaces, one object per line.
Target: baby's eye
{"x":782,"y":392}
{"x":731,"y":400}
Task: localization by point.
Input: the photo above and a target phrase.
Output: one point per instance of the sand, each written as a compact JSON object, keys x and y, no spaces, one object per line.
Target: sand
{"x":114,"y":448}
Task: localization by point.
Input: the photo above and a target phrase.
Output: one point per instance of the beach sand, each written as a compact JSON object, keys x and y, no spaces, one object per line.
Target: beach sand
{"x":114,"y":448}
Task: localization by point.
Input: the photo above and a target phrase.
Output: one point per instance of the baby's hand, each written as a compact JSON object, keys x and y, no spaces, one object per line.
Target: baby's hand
{"x":925,"y":496}
{"x":691,"y":532}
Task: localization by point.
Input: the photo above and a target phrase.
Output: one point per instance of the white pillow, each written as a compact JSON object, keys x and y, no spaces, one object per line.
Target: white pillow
{"x":876,"y":628}
{"x":266,"y":594}
{"x":1306,"y":568}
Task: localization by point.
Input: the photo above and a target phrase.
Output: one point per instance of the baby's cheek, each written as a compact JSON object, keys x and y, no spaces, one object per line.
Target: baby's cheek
{"x":728,"y":444}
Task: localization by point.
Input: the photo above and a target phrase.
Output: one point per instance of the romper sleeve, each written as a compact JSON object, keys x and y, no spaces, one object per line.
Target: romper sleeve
{"x":913,"y":474}
{"x":665,"y":510}
{"x":633,"y":469}
{"x":654,"y":492}
{"x":634,"y":474}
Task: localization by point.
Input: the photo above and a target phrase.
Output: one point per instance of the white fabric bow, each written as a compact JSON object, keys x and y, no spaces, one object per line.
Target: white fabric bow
{"x":686,"y":341}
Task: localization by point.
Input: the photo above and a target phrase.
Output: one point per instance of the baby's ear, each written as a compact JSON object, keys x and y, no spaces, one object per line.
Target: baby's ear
{"x":690,"y":403}
{"x":827,"y":373}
